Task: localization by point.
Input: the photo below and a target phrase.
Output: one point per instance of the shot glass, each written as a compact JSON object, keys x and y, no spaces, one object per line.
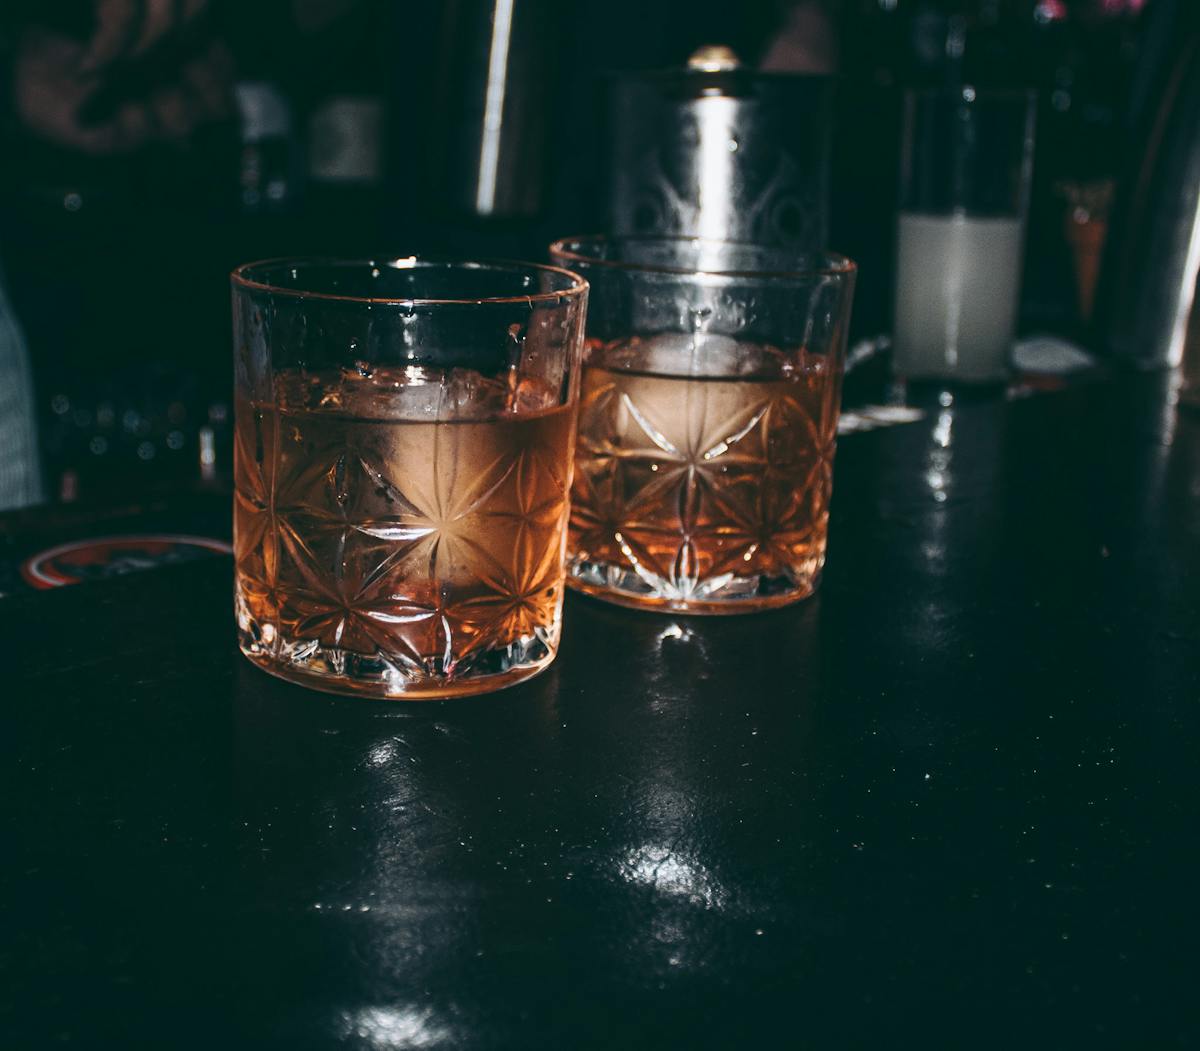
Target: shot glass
{"x":404,"y":439}
{"x":966,"y":164}
{"x":707,"y":421}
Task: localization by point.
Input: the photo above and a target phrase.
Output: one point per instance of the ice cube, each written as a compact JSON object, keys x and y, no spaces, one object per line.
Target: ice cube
{"x":471,"y":395}
{"x":532,"y":395}
{"x":703,"y":354}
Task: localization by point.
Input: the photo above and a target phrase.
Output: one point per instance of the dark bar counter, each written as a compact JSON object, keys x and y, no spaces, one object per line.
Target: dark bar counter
{"x":949,"y":802}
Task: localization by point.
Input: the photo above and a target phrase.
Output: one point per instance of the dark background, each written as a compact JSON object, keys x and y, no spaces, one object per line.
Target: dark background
{"x":116,"y":265}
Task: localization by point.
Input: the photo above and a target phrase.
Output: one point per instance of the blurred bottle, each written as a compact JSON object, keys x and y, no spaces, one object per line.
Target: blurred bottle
{"x":345,"y":141}
{"x":1148,"y":284}
{"x":485,"y":138}
{"x":342,"y":115}
{"x":270,"y":171}
{"x":1190,"y":393}
{"x":1083,"y":56}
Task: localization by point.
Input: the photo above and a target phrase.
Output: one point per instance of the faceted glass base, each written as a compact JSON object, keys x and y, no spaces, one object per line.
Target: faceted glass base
{"x":719,"y":595}
{"x":391,"y":676}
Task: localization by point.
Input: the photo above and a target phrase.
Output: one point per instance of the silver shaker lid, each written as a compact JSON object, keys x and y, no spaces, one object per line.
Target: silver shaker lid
{"x":718,"y":150}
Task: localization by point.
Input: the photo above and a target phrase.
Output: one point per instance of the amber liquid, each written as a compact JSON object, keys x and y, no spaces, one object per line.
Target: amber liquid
{"x":703,"y":493}
{"x":402,"y":533}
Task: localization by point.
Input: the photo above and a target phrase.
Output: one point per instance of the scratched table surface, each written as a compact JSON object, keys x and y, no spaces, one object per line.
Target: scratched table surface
{"x":950,"y":801}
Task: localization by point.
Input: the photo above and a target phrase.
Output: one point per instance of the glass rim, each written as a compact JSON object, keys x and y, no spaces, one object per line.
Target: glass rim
{"x":240,"y":278}
{"x":837,"y":265}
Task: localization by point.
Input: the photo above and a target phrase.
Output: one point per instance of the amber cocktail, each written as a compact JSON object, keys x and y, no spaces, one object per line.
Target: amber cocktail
{"x":402,"y":467}
{"x":707,"y":422}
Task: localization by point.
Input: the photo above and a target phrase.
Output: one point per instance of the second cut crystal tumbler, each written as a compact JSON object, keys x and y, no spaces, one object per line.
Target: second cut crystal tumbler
{"x":707,"y":421}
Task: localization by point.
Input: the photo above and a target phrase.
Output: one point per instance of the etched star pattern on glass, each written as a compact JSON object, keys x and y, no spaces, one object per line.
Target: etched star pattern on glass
{"x":414,"y":546}
{"x":708,"y":416}
{"x":400,"y":530}
{"x":698,"y":486}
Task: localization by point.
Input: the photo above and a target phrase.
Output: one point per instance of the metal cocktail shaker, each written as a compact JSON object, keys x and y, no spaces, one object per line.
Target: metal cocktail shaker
{"x":716,"y":150}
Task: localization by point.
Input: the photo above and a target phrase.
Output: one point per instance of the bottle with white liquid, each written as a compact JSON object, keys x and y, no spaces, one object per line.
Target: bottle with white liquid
{"x":958,"y":278}
{"x":964,"y":192}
